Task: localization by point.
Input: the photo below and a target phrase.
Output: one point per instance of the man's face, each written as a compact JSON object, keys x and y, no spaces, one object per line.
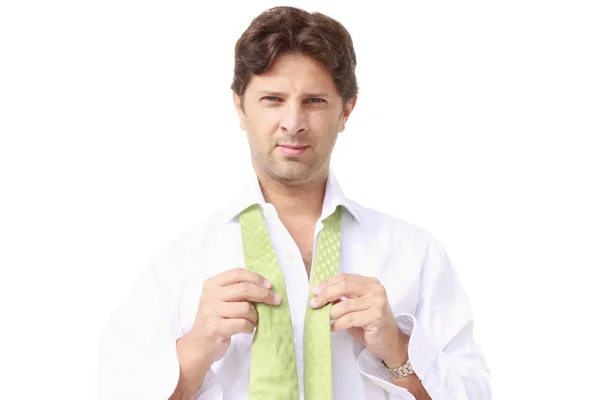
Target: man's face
{"x":292,"y":114}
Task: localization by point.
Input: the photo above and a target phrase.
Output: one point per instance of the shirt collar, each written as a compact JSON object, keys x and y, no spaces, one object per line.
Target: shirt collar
{"x":252,"y":194}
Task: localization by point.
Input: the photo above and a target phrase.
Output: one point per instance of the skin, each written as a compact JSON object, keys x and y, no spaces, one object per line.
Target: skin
{"x":294,"y":103}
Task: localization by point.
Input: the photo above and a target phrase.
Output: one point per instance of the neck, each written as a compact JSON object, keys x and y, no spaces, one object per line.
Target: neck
{"x":295,"y":199}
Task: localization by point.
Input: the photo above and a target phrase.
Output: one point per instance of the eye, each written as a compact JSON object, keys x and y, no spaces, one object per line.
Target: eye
{"x":315,"y":100}
{"x":271,"y":99}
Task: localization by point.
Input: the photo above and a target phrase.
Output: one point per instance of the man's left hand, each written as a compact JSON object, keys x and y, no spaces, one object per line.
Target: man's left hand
{"x":365,"y":313}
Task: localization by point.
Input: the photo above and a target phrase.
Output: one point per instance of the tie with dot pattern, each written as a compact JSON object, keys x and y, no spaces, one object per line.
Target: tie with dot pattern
{"x":273,"y":373}
{"x":318,"y":382}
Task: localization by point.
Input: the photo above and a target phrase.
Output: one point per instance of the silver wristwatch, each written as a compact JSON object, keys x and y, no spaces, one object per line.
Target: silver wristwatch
{"x":401,"y":371}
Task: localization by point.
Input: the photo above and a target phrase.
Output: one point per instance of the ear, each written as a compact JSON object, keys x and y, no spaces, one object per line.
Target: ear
{"x":239,"y":108}
{"x":348,"y":108}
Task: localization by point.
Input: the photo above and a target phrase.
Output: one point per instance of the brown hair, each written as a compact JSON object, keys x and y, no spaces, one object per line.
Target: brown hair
{"x":282,"y":30}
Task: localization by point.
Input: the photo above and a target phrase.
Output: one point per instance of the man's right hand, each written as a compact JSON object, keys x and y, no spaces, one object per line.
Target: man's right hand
{"x":225,"y":309}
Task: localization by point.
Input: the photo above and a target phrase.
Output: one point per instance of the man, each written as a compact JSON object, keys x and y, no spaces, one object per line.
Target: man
{"x":293,"y":290}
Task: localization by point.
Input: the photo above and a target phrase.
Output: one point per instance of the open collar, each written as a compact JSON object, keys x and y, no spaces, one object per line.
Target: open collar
{"x":252,"y":194}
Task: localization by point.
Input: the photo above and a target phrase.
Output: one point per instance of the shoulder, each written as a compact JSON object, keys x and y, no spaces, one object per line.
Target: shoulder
{"x":373,"y":220}
{"x":184,"y":253}
{"x":403,"y":236}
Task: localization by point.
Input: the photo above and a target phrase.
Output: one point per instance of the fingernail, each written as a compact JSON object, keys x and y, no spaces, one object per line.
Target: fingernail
{"x":277,"y":299}
{"x":267,"y":284}
{"x":313,"y":302}
{"x":316,"y":290}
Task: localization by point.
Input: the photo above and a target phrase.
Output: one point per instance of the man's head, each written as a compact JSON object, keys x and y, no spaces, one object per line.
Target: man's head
{"x":294,"y":88}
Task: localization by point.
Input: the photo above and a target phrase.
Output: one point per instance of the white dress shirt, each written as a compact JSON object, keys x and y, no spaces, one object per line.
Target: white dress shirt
{"x":137,"y":356}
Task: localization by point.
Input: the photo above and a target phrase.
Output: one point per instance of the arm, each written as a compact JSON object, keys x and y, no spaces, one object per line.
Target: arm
{"x":139,"y":352}
{"x":452,"y":364}
{"x":414,"y":386}
{"x":448,"y":364}
{"x":192,"y":370}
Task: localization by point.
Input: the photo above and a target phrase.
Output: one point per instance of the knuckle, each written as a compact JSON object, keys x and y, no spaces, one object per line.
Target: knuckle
{"x":345,"y":284}
{"x":384,"y":303}
{"x":238,"y":272}
{"x":346,"y":306}
{"x":350,"y":318}
{"x":244,"y":288}
{"x":379,"y":289}
{"x":380,"y":303}
{"x":380,"y":307}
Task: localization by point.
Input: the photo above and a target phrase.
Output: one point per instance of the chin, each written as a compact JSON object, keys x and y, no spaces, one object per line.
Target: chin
{"x":291,"y":172}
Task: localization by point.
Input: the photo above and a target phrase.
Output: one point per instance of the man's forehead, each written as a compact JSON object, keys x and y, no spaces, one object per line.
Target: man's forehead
{"x":305,"y":93}
{"x":316,"y":86}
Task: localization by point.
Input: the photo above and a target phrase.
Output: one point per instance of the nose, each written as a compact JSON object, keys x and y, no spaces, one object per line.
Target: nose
{"x":293,"y":119}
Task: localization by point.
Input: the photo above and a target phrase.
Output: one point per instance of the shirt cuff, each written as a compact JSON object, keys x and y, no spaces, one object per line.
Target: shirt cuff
{"x":421,"y":353}
{"x":162,"y":374}
{"x":123,"y":374}
{"x":211,"y":389}
{"x":168,"y":377}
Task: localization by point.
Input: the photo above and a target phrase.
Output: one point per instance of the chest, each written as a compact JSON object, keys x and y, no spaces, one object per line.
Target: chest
{"x":303,"y":237}
{"x":393,"y":263}
{"x":362,"y":253}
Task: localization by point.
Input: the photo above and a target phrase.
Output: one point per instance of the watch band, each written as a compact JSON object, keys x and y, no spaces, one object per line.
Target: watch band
{"x":401,"y":371}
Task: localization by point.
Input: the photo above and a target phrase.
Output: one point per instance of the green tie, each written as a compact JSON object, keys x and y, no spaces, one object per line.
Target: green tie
{"x":273,"y":373}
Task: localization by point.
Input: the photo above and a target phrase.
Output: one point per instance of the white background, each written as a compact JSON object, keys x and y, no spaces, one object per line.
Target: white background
{"x":476,"y":121}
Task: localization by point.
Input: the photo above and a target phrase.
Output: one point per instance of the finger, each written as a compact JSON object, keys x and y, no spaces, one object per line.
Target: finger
{"x":230,"y":327}
{"x":249,"y":292}
{"x":241,"y":309}
{"x":349,"y":306}
{"x":357,"y":319}
{"x":346,"y":288}
{"x":238,"y":275}
{"x":342,"y":278}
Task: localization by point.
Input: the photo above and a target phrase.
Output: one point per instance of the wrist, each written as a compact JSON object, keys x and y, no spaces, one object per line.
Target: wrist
{"x":193,"y":367}
{"x":191,"y":355}
{"x":398,"y":354}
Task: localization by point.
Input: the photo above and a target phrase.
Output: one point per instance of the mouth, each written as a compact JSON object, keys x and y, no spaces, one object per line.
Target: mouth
{"x":292,"y":150}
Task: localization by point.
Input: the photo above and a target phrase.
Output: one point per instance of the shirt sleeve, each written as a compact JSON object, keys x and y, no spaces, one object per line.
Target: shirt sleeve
{"x":441,"y":349}
{"x":137,"y":357}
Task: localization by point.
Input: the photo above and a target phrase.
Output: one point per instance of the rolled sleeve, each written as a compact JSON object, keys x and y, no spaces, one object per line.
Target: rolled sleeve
{"x":421,"y":352}
{"x":211,"y":389}
{"x":441,"y":347}
{"x":154,"y":378}
{"x":137,"y":355}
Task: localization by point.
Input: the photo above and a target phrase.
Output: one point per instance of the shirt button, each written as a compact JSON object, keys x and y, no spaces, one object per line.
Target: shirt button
{"x":291,"y":257}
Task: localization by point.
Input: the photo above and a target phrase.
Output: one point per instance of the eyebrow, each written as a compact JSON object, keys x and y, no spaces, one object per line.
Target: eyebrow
{"x":282,"y":94}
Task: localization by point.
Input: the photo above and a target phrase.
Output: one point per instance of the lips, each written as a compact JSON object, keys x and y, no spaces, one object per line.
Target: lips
{"x":293,"y":146}
{"x":292,"y":150}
